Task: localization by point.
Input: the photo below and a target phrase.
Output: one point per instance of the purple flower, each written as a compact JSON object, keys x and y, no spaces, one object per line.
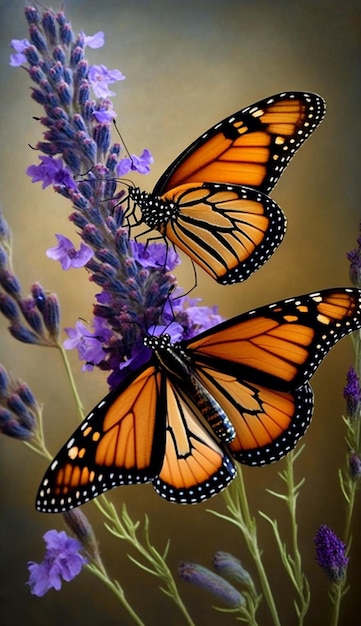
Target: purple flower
{"x":352,"y":393}
{"x":51,"y":172}
{"x":209,"y":581}
{"x":62,"y":561}
{"x":89,"y":346}
{"x":19,"y":45}
{"x":330,"y":553}
{"x":94,"y":41}
{"x":139,"y":164}
{"x":67,"y":255}
{"x":155,"y":255}
{"x":100,"y":77}
{"x":354,"y":256}
{"x":105,"y":114}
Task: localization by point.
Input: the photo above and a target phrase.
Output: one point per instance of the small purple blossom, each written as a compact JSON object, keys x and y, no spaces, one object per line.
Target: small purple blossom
{"x":155,"y":255}
{"x":19,"y":45}
{"x":51,"y":172}
{"x":330,"y":553}
{"x":100,"y":77}
{"x":94,"y":41}
{"x":68,"y":255}
{"x":89,"y":344}
{"x":139,"y":164}
{"x":352,"y":393}
{"x":62,"y":561}
{"x":104,"y":115}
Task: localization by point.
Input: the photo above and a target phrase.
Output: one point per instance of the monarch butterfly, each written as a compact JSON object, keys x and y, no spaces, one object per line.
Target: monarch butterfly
{"x":236,"y":391}
{"x":211,"y":201}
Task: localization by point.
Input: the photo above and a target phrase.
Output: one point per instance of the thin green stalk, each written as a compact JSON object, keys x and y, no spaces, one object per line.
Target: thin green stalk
{"x":124,"y":528}
{"x":237,"y":504}
{"x":70,"y":376}
{"x":114,"y":586}
{"x":336,"y":595}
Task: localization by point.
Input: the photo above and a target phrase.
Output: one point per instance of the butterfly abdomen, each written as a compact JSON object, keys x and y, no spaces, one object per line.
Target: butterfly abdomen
{"x":179,"y":369}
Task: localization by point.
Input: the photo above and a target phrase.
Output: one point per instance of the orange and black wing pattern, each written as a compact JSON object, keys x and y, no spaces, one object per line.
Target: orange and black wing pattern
{"x":212,"y":201}
{"x":121,"y":442}
{"x":282,"y":344}
{"x":160,"y":424}
{"x":251,"y":147}
{"x":143,"y":431}
{"x":195,"y":466}
{"x":257,"y":365}
{"x":230,"y":231}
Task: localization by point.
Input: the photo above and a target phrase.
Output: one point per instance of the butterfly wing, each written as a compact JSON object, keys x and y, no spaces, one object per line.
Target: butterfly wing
{"x":280,"y":345}
{"x":257,"y":366}
{"x":195,"y":466}
{"x":268,"y":422}
{"x":230,"y":231}
{"x":251,"y":147}
{"x":121,"y":442}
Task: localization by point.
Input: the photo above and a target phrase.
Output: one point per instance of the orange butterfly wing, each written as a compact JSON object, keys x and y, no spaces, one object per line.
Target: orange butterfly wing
{"x":257,"y":366}
{"x":251,"y":147}
{"x":229,"y":231}
{"x":120,"y":442}
{"x":195,"y":466}
{"x":282,"y":344}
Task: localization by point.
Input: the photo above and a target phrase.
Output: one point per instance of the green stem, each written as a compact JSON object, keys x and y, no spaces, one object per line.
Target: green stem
{"x":241,"y":517}
{"x":114,"y":586}
{"x":300,"y":581}
{"x":336,"y":594}
{"x":70,"y":376}
{"x":124,"y":528}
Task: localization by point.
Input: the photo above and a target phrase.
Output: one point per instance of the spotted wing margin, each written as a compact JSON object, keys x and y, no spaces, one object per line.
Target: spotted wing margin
{"x":251,"y":147}
{"x":121,"y":442}
{"x":230,"y":231}
{"x":268,"y":422}
{"x":280,"y":345}
{"x":195,"y":466}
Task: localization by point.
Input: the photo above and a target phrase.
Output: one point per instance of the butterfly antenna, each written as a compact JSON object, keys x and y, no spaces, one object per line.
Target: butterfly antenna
{"x":122,"y":140}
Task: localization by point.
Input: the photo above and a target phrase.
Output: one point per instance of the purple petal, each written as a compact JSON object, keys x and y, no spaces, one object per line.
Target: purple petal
{"x":94,"y":41}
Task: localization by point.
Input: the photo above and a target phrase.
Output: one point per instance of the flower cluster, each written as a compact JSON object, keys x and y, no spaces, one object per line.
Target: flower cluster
{"x":80,"y":163}
{"x":18,"y":407}
{"x":33,"y":318}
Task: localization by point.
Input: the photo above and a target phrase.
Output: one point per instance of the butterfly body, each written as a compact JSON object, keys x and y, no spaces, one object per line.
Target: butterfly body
{"x":161,"y":424}
{"x":212,"y":201}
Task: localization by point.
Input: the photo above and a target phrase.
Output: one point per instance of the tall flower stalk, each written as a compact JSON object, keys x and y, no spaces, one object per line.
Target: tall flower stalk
{"x":78,"y":160}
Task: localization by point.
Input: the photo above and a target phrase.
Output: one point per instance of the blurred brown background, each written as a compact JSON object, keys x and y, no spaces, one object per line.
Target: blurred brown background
{"x":188,"y":64}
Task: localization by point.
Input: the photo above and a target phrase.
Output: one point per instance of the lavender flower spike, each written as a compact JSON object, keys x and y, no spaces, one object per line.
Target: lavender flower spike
{"x":331,"y":553}
{"x":352,"y":393}
{"x":209,"y":581}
